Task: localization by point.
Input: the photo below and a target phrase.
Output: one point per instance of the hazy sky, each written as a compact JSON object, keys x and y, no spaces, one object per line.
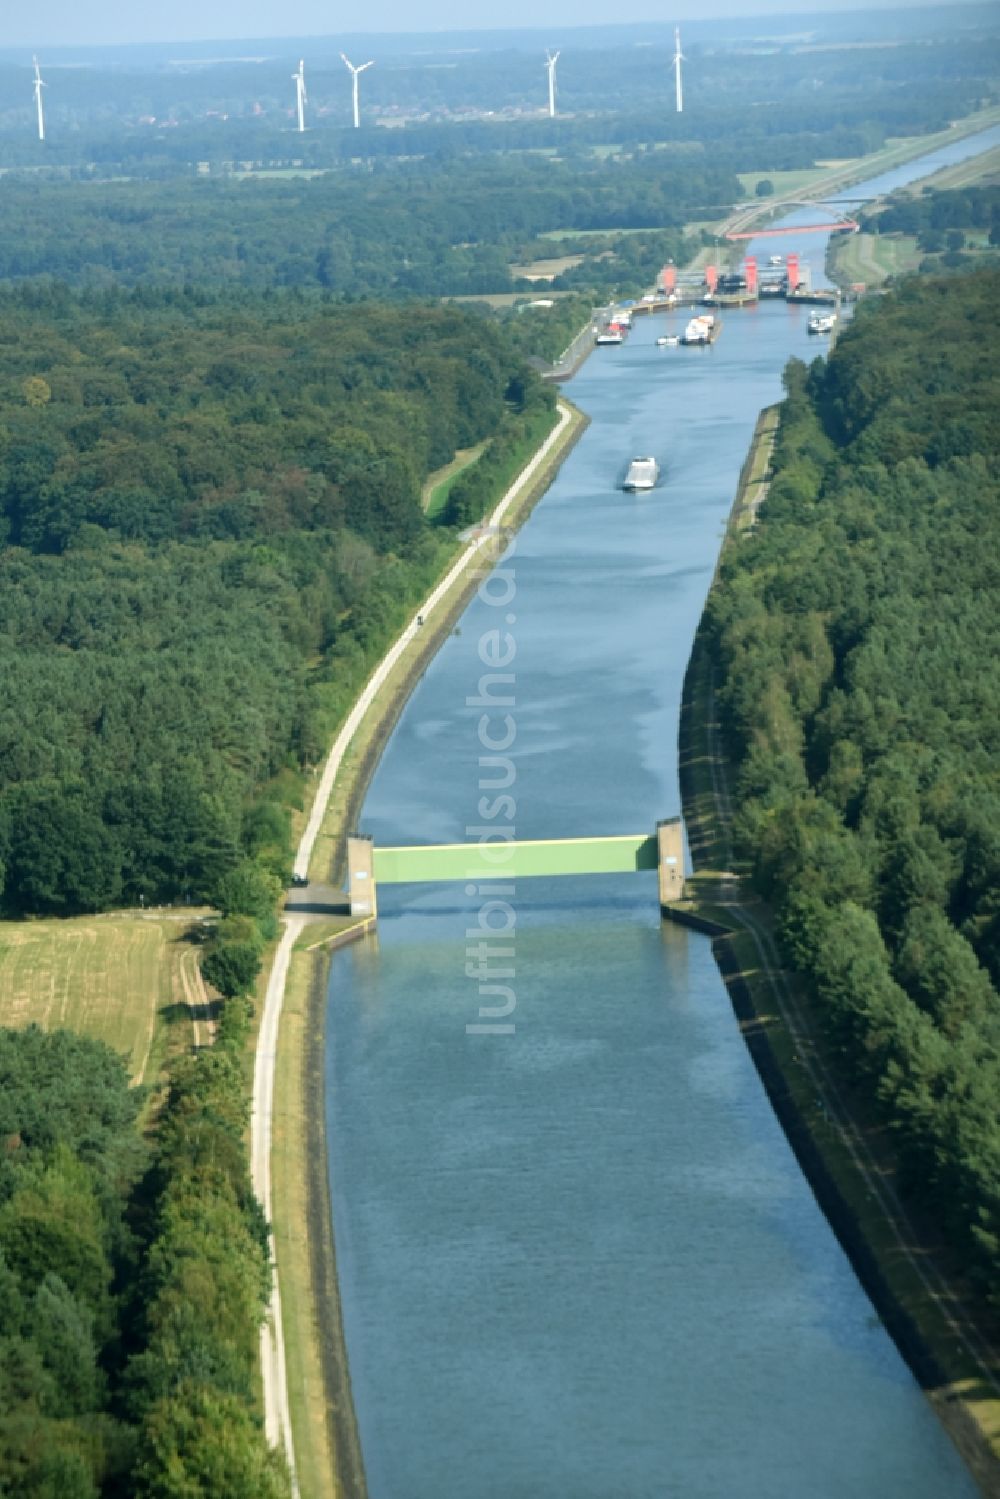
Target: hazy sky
{"x":109,"y":21}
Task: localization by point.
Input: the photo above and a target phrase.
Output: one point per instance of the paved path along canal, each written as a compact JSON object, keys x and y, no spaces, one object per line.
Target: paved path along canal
{"x":577,"y":1258}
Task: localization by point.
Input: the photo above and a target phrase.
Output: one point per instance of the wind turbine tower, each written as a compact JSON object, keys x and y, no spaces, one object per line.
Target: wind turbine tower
{"x":551,"y":58}
{"x":678,"y":59}
{"x":354,"y":74}
{"x":39,"y":85}
{"x":300,"y":94}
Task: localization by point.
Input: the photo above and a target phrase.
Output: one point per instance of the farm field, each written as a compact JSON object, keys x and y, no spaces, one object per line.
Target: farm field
{"x":503,"y":298}
{"x":114,"y":977}
{"x":544,"y":270}
{"x":873,"y":258}
{"x":792,"y":182}
{"x":591,"y":233}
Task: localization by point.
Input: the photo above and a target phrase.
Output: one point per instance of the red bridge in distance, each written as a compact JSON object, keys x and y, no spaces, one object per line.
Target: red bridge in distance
{"x":847,"y":225}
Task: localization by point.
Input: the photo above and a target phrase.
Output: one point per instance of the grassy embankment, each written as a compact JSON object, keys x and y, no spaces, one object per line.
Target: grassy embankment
{"x":437,"y":487}
{"x":814,"y":182}
{"x":982,"y":169}
{"x":872,"y":259}
{"x":896,"y":151}
{"x":844,"y":1149}
{"x":130,"y":979}
{"x":327,"y":1462}
{"x":878,"y":258}
{"x":820,"y":181}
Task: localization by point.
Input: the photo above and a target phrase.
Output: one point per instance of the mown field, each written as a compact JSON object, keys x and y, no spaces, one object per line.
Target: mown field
{"x":792,"y":182}
{"x":118,"y":978}
{"x":873,"y":258}
{"x":978,"y":169}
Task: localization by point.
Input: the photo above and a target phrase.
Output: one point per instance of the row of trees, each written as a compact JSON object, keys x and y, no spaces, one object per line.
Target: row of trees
{"x":857,"y":640}
{"x":133,"y":1277}
{"x":202,"y":1285}
{"x":973,"y":207}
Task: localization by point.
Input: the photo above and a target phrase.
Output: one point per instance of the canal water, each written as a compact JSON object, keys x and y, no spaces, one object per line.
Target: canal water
{"x":577,"y":1257}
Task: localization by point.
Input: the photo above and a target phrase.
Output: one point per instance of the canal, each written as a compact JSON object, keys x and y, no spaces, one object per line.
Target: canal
{"x":577,"y":1257}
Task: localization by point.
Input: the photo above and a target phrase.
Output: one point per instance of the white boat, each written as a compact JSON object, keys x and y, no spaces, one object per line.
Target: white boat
{"x":610,"y":336}
{"x":642,"y":474}
{"x":700,"y":330}
{"x":822,"y":322}
{"x":666,"y":340}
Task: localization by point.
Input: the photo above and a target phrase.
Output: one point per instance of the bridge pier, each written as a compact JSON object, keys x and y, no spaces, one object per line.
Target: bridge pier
{"x":670,"y":859}
{"x":361,"y":877}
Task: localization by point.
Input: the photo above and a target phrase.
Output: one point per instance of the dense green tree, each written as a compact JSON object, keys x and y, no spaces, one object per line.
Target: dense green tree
{"x":62,"y":1331}
{"x":200,"y":1443}
{"x":61,"y":858}
{"x":232,"y":967}
{"x":857,"y":641}
{"x":217,"y":524}
{"x":248,"y":890}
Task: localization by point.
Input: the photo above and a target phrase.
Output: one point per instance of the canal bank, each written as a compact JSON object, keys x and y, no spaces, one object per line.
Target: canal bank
{"x":593,"y":1235}
{"x":839,"y":1145}
{"x":324,"y":1436}
{"x":592,"y":1232}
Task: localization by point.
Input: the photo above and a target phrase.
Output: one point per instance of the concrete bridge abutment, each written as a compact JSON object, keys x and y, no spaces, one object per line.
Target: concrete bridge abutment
{"x":670,"y":859}
{"x":431,"y":863}
{"x":361,"y":891}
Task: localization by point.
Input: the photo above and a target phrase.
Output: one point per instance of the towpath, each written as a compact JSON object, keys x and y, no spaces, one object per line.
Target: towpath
{"x":277,"y":1417}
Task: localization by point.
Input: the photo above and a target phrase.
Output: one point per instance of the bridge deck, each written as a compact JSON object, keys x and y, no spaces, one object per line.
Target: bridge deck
{"x":844,"y":225}
{"x":515,"y":860}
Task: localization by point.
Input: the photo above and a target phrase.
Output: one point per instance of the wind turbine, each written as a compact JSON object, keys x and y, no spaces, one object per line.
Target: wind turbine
{"x":678,"y":59}
{"x":354,"y":74}
{"x":300,"y":94}
{"x":551,"y":58}
{"x":39,"y":85}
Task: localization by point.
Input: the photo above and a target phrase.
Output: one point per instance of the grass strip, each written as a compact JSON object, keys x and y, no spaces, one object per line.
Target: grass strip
{"x":434,"y":495}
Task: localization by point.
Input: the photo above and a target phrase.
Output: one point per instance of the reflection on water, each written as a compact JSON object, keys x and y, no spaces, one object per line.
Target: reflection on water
{"x":579,"y":1261}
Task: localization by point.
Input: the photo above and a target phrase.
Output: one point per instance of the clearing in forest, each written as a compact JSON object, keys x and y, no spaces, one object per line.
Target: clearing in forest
{"x":112,"y":977}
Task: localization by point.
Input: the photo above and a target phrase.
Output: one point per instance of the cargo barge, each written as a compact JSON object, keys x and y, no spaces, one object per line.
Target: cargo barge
{"x":642,"y":474}
{"x":703,"y":329}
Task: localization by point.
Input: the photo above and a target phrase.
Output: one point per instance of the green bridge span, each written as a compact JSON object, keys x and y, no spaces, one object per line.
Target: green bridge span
{"x":502,"y":861}
{"x":515,"y":860}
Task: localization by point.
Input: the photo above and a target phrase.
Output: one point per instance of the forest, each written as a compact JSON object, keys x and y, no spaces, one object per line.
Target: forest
{"x":212,"y":519}
{"x":133,"y":1277}
{"x":940,"y":218}
{"x":220,"y":397}
{"x":409,"y":229}
{"x":857,"y":640}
